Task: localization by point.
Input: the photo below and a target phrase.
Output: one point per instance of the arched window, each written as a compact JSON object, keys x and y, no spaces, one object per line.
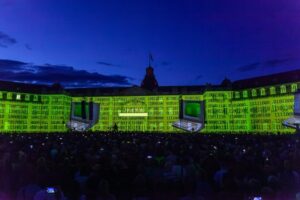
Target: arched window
{"x":272,"y":90}
{"x":294,"y":87}
{"x":253,"y":92}
{"x":9,"y":95}
{"x":35,"y":98}
{"x":282,"y":89}
{"x":245,"y":93}
{"x":27,"y":97}
{"x":262,"y":91}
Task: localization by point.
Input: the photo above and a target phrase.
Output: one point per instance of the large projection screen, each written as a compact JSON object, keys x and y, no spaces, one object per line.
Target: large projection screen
{"x":193,"y":110}
{"x":297,"y":104}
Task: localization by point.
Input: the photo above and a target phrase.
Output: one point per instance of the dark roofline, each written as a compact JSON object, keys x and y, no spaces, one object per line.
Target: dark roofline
{"x":267,"y":80}
{"x":261,"y":81}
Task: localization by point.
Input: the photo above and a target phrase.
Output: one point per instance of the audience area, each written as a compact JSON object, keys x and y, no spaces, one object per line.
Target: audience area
{"x":145,"y":166}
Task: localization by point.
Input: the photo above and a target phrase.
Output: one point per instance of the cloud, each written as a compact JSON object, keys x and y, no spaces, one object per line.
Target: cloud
{"x":266,"y":64}
{"x":7,"y":64}
{"x":6,"y":40}
{"x":68,"y":76}
{"x":107,"y":64}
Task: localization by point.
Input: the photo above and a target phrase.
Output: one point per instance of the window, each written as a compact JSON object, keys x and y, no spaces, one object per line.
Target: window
{"x":1,"y":95}
{"x":18,"y":97}
{"x":35,"y":98}
{"x":254,"y":92}
{"x":262,"y":91}
{"x":245,"y":93}
{"x":27,"y":97}
{"x":9,"y":96}
{"x":237,"y":95}
{"x":294,"y":87}
{"x":282,"y":89}
{"x":272,"y":90}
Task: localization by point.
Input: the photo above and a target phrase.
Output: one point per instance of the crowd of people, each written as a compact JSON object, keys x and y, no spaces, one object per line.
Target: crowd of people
{"x":144,"y":166}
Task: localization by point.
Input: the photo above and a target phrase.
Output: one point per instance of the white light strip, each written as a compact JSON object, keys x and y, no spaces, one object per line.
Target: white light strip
{"x":133,"y":114}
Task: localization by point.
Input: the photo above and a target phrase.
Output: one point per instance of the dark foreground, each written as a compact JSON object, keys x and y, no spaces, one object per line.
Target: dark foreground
{"x":148,"y":166}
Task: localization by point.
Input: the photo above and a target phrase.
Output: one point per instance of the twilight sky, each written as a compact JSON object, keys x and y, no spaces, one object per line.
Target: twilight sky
{"x":107,"y":42}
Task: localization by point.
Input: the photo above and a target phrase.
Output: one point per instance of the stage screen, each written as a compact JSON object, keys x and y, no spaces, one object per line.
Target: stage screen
{"x":77,"y":110}
{"x":192,"y":110}
{"x":297,"y":104}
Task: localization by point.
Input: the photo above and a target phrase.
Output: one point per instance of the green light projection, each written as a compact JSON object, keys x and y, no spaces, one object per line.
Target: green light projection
{"x":252,"y":110}
{"x":192,"y":109}
{"x":35,"y":113}
{"x":78,"y":109}
{"x":264,"y":114}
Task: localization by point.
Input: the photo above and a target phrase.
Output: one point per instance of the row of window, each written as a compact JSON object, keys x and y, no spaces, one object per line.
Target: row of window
{"x":215,"y":96}
{"x":31,"y":97}
{"x":283,"y":89}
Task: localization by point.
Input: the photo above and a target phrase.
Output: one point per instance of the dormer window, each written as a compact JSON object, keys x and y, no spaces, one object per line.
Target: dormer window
{"x":253,"y":92}
{"x":272,"y":90}
{"x":282,"y":89}
{"x":262,"y":91}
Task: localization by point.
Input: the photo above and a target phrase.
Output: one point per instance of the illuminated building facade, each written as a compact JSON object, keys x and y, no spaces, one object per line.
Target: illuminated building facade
{"x":257,"y":105}
{"x":32,"y":109}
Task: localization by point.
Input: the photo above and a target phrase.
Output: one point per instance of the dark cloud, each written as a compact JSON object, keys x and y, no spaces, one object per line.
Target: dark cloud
{"x":107,"y":64}
{"x":265,"y":64}
{"x":11,"y":65}
{"x":6,"y":40}
{"x":48,"y":74}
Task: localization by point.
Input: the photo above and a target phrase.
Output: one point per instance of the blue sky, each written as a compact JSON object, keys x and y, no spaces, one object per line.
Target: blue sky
{"x":106,"y":43}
